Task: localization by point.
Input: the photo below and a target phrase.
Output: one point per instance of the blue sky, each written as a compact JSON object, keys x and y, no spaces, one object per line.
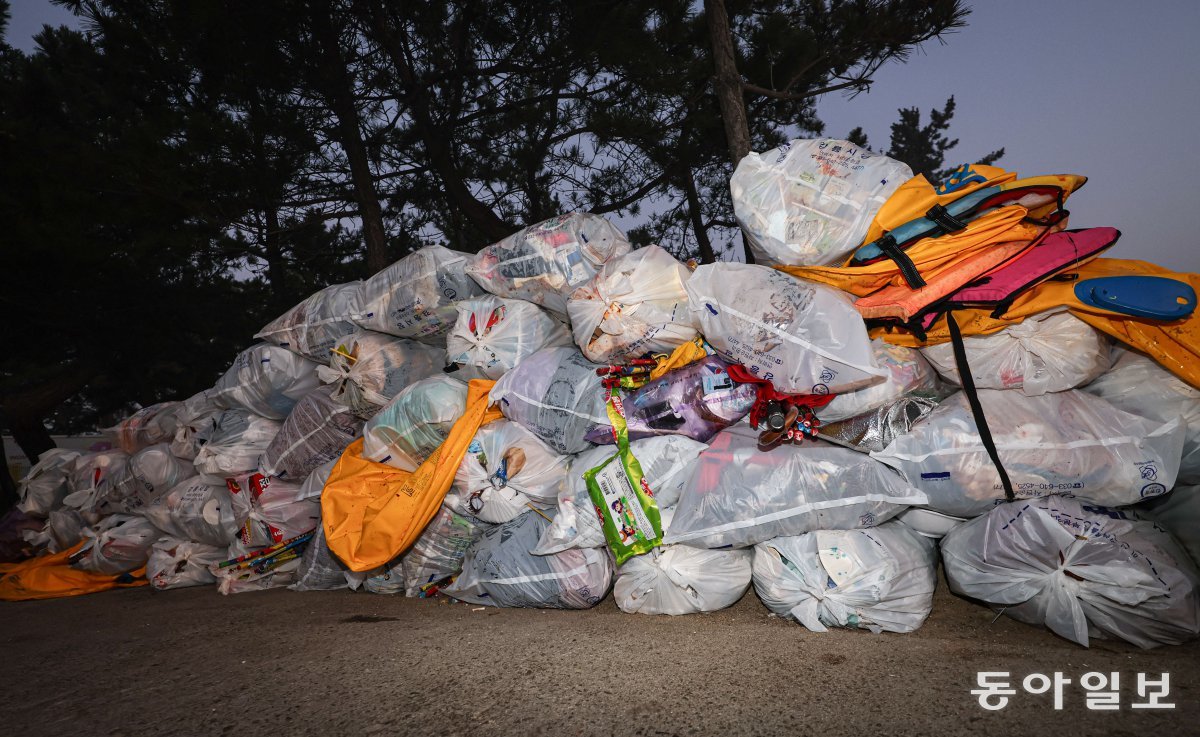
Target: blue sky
{"x":1104,"y":88}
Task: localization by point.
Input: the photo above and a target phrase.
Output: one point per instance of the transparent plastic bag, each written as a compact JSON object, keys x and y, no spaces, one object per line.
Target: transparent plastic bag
{"x":1138,"y":385}
{"x":148,"y":474}
{"x":199,"y":510}
{"x":1050,"y":352}
{"x":367,"y":369}
{"x":879,"y":579}
{"x":492,"y":335}
{"x":235,"y":443}
{"x":266,"y":380}
{"x":194,"y":421}
{"x":45,"y":485}
{"x":438,"y":553}
{"x":118,"y":544}
{"x":556,"y":394}
{"x":679,"y":579}
{"x":498,"y":570}
{"x":89,"y":474}
{"x":666,"y":463}
{"x":148,"y":426}
{"x":545,"y":262}
{"x":414,"y":297}
{"x":804,"y":337}
{"x":270,"y":510}
{"x":738,"y":496}
{"x":411,"y":426}
{"x":1080,"y":571}
{"x":1059,"y":443}
{"x":506,"y":470}
{"x":810,"y":202}
{"x":316,"y":432}
{"x":314,"y":327}
{"x":636,"y":304}
{"x":176,"y":564}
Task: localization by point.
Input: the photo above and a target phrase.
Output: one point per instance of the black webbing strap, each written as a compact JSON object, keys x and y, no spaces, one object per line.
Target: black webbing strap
{"x":887,"y":244}
{"x":968,"y":385}
{"x":942,"y":218}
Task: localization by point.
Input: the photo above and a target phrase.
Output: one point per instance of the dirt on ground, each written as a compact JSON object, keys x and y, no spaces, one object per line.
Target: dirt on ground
{"x":193,"y":662}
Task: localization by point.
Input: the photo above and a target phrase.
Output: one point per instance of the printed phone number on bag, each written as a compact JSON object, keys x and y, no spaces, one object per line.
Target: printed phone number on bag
{"x":1103,"y":690}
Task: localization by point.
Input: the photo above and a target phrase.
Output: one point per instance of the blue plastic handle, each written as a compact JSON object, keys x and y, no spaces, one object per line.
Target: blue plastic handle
{"x":922,"y":226}
{"x":1152,"y":297}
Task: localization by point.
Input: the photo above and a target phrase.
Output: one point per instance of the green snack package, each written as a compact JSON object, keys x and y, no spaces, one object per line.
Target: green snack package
{"x":623,"y":499}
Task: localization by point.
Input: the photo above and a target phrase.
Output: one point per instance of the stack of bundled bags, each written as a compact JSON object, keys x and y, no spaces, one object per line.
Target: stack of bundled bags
{"x":560,"y":416}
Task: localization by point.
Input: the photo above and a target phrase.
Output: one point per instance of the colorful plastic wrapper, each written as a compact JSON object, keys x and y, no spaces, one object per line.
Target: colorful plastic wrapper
{"x":545,"y":262}
{"x":698,"y":401}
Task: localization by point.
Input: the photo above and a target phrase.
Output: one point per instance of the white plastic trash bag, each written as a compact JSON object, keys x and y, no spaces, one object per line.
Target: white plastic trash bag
{"x":175,"y":564}
{"x":148,"y":474}
{"x":367,"y":369}
{"x":119,"y":544}
{"x":907,"y":372}
{"x":314,"y":327}
{"x":89,"y":475}
{"x":811,"y":201}
{"x":1081,"y":571}
{"x":270,"y":510}
{"x":1058,"y":443}
{"x":506,"y":470}
{"x":556,"y":394}
{"x":545,"y":262}
{"x":198,"y":509}
{"x":666,"y":463}
{"x":1049,"y":352}
{"x":492,"y":335}
{"x":317,"y":431}
{"x":148,"y":426}
{"x":499,"y":570}
{"x":193,"y":424}
{"x":44,"y":486}
{"x":636,"y":304}
{"x":679,"y":579}
{"x":1138,"y":385}
{"x":266,"y":380}
{"x":739,"y":496}
{"x":806,"y":338}
{"x":235,"y":443}
{"x":418,"y":420}
{"x":320,"y":569}
{"x":880,"y":579}
{"x":414,"y":297}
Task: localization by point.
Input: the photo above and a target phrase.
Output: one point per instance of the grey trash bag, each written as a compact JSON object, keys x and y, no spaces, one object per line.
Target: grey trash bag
{"x":546,"y":262}
{"x":414,"y":297}
{"x":316,"y":432}
{"x":314,"y":327}
{"x":438,"y":553}
{"x":877,"y":428}
{"x":666,"y":463}
{"x":679,"y":579}
{"x":198,"y":509}
{"x":739,"y":496}
{"x":176,"y":564}
{"x":499,"y":570}
{"x":1179,"y":514}
{"x":1080,"y":571}
{"x":320,"y":569}
{"x":266,"y":380}
{"x":367,"y":369}
{"x":148,"y":474}
{"x":879,"y":579}
{"x":418,"y":420}
{"x":43,"y":488}
{"x":556,"y":394}
{"x":1058,"y":443}
{"x":1138,"y":385}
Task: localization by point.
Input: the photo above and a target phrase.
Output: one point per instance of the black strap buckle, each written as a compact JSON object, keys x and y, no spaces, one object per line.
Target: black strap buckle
{"x":887,"y":245}
{"x":942,"y":218}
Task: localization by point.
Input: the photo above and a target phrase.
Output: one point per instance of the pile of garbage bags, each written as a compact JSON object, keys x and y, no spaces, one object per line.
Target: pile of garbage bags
{"x":675,"y":435}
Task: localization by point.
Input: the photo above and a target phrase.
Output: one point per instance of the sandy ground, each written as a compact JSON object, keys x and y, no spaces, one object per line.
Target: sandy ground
{"x":192,"y":662}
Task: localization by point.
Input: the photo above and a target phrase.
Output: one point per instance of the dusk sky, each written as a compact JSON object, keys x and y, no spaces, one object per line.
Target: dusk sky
{"x":1103,"y":88}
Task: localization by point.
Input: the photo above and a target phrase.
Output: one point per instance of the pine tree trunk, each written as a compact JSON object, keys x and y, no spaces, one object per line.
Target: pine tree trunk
{"x":339,"y":95}
{"x":707,"y":256}
{"x":728,"y":81}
